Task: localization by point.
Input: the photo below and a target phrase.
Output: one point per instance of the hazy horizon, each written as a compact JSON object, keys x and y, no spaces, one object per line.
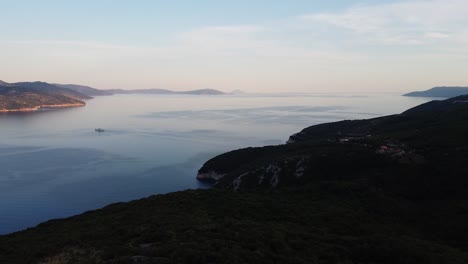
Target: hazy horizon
{"x":255,"y":46}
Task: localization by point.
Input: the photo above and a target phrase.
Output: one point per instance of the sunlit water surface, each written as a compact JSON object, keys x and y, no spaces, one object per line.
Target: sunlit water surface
{"x":53,"y":164}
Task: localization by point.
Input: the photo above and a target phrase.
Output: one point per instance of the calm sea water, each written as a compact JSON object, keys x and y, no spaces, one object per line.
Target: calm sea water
{"x":53,"y":164}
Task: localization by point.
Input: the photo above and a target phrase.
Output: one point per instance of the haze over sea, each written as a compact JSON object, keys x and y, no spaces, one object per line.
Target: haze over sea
{"x":53,"y":164}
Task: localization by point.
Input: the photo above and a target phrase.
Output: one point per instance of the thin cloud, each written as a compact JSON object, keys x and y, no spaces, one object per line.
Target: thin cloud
{"x":437,"y":35}
{"x":409,"y":22}
{"x":222,"y":37}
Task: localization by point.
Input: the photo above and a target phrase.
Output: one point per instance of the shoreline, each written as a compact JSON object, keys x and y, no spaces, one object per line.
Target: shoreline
{"x":36,"y":108}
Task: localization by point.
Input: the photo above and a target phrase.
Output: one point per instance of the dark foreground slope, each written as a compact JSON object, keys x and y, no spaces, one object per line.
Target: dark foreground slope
{"x":386,"y":190}
{"x":329,"y":222}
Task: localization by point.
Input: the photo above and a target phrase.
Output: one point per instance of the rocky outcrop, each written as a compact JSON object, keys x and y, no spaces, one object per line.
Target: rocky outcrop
{"x":210,"y":176}
{"x":261,"y":171}
{"x":31,"y":109}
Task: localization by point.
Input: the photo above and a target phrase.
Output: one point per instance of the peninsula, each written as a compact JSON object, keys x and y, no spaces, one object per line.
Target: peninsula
{"x":32,"y":96}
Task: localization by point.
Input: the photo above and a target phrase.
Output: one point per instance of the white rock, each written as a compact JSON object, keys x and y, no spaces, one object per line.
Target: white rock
{"x":211,"y":175}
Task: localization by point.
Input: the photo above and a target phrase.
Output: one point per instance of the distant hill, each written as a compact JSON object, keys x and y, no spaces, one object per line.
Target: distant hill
{"x":30,"y":96}
{"x":83,"y":92}
{"x":86,"y":90}
{"x":140,"y":91}
{"x":237,"y":91}
{"x":164,"y":91}
{"x":203,"y":92}
{"x":445,"y":92}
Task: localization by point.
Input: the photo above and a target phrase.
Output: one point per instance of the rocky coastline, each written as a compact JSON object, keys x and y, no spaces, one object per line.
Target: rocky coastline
{"x":36,"y":108}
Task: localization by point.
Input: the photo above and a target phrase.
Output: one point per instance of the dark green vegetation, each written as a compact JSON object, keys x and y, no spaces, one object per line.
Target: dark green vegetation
{"x":445,"y":92}
{"x":30,"y":96}
{"x":328,"y":222}
{"x":385,"y":190}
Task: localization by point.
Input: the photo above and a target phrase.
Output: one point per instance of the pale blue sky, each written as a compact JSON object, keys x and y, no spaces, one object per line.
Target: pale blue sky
{"x":256,"y":45}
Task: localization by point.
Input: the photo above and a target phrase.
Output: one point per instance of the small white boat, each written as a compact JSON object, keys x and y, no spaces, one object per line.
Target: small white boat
{"x":99,"y":130}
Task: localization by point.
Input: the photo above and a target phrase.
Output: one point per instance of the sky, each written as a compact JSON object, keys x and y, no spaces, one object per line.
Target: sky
{"x":254,"y":46}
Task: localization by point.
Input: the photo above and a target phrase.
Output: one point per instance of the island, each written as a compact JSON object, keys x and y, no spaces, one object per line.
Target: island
{"x":390,"y":190}
{"x":444,"y":91}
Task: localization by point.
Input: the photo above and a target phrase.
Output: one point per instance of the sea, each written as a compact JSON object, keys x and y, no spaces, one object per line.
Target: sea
{"x":53,"y":164}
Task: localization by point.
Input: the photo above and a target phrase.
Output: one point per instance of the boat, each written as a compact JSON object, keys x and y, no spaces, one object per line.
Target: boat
{"x":99,"y":130}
